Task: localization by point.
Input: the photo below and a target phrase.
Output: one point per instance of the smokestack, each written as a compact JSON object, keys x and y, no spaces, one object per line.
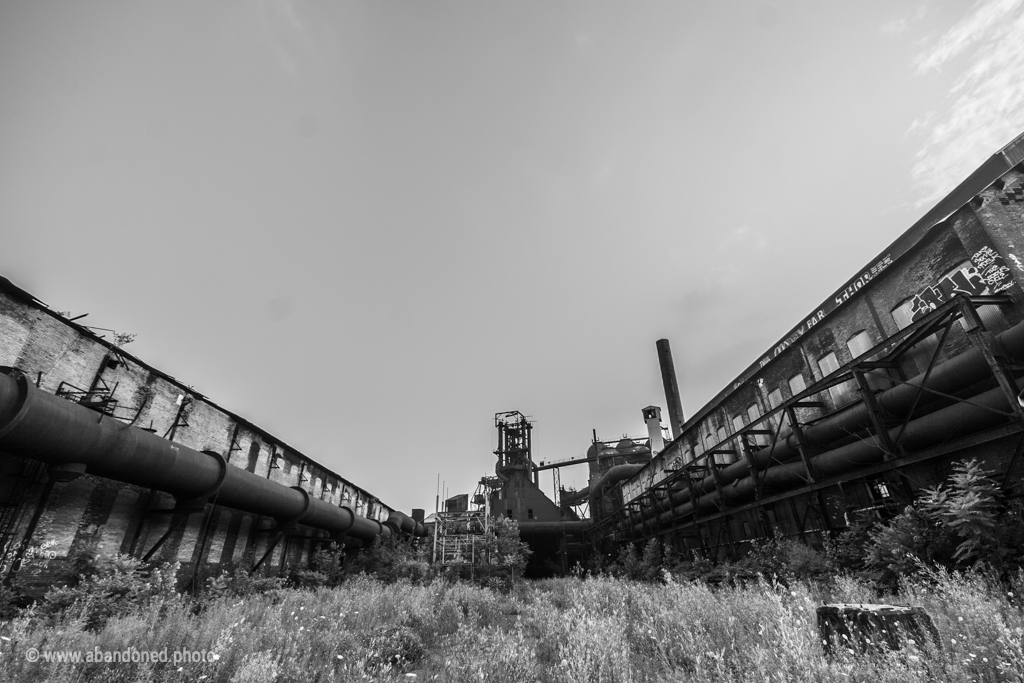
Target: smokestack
{"x":652,"y":416}
{"x":668,"y":378}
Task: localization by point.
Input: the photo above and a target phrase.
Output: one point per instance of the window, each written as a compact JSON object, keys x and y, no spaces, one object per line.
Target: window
{"x":724,"y":458}
{"x":797,"y":384}
{"x":859,"y":344}
{"x":828,"y":364}
{"x":254,"y":456}
{"x":775,"y":399}
{"x":840,"y":393}
{"x":529,"y":513}
{"x":902,"y":315}
{"x":737,"y":423}
{"x":754,"y":412}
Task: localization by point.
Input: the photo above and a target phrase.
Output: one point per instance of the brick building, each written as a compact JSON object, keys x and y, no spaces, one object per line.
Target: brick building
{"x":912,"y":364}
{"x":48,"y":514}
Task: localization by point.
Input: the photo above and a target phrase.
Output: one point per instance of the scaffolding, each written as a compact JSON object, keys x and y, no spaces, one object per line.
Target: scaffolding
{"x":460,"y":537}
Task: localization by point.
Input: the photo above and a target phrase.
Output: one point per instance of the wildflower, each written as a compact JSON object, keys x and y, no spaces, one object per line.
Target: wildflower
{"x":340,"y":657}
{"x":985,"y":659}
{"x":181,"y":668}
{"x":952,"y":641}
{"x":214,"y":656}
{"x":959,"y":618}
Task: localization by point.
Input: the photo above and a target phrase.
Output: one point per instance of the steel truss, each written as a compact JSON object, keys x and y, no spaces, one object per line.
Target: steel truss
{"x":882,"y":362}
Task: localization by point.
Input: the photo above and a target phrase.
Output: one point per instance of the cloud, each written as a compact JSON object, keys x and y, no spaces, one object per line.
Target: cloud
{"x":899,"y":25}
{"x":745,"y":236}
{"x":894,"y":27}
{"x":986,"y":100}
{"x":283,"y":31}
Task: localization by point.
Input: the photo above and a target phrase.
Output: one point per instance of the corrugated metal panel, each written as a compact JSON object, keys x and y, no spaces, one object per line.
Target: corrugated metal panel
{"x":1014,"y":152}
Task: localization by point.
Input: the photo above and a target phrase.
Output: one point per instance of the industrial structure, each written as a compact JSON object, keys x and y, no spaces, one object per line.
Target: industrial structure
{"x":912,"y":364}
{"x":101,"y":453}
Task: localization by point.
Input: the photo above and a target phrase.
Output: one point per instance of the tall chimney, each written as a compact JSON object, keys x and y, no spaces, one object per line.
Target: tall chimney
{"x":668,"y":378}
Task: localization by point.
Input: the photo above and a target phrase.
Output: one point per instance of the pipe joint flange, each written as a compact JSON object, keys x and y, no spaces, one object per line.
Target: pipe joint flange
{"x":213,"y":490}
{"x":305,"y":508}
{"x":21,"y":406}
{"x":66,"y":472}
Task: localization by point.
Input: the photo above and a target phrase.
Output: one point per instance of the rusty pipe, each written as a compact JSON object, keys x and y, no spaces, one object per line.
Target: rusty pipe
{"x":964,"y":370}
{"x":44,"y":427}
{"x":934,"y":428}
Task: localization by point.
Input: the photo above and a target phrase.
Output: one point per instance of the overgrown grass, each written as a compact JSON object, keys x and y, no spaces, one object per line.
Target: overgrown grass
{"x":558,"y":630}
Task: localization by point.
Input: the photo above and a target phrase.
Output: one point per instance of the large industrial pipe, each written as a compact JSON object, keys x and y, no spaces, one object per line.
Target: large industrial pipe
{"x":569,"y":527}
{"x":613,"y":476}
{"x":69,"y":437}
{"x":668,"y":379}
{"x":934,"y":428}
{"x":964,"y":370}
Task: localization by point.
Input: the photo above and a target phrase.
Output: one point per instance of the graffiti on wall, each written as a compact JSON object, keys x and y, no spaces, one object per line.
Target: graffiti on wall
{"x":993,"y":269}
{"x":988,"y":275}
{"x":838,"y":300}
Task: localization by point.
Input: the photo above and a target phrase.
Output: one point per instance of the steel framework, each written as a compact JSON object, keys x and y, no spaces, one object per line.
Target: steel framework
{"x":654,"y":514}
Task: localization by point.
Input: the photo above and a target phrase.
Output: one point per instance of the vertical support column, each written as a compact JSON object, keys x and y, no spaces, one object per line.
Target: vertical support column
{"x":752,"y":468}
{"x":875,"y":413}
{"x":982,"y":338}
{"x":801,"y":443}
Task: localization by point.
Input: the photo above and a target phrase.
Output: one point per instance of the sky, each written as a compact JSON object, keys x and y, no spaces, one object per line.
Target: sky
{"x":369,"y":226}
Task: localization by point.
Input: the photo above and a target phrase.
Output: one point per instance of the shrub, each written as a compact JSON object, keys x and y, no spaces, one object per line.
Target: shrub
{"x":113,"y":587}
{"x":960,"y":524}
{"x":242,"y":582}
{"x":391,"y":560}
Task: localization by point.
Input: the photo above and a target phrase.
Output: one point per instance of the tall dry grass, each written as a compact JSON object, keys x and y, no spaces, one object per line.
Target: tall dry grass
{"x":558,"y":631}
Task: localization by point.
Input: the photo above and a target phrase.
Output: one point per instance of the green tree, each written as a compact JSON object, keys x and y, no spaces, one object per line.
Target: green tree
{"x":959,"y":524}
{"x":502,"y":548}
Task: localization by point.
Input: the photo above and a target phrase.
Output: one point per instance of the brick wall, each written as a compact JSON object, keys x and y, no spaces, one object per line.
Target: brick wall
{"x":97,"y":515}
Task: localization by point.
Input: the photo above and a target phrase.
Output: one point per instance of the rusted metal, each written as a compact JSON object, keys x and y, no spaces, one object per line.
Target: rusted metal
{"x":43,"y":427}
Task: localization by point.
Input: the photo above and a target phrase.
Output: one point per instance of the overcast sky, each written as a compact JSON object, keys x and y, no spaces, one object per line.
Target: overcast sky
{"x":369,"y":226}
